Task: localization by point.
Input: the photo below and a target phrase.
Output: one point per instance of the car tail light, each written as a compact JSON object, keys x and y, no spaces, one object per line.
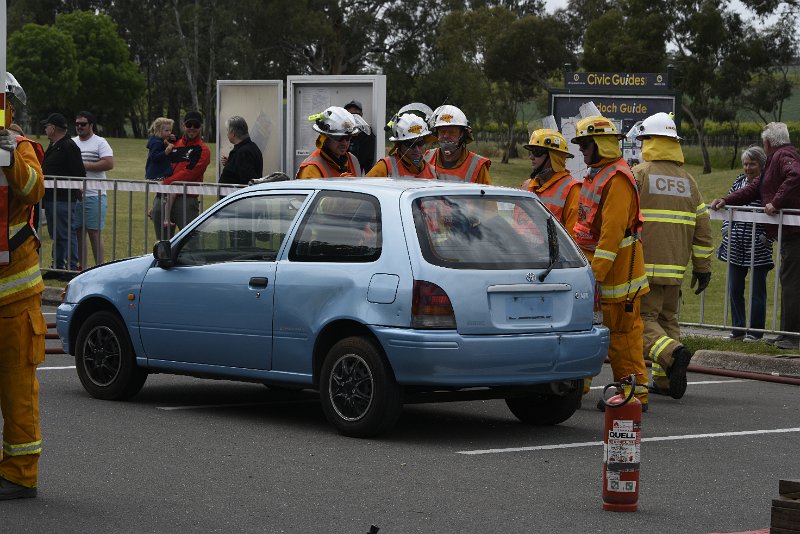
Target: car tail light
{"x":597,"y":317}
{"x":431,"y":307}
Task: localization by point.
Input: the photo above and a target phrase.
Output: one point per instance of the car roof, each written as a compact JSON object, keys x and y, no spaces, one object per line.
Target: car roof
{"x":383,"y":185}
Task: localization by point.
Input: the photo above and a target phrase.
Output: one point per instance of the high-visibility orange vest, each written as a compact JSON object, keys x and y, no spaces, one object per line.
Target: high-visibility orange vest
{"x":37,"y":147}
{"x":328,"y":171}
{"x":586,"y":235}
{"x":468,"y":171}
{"x":555,"y":196}
{"x":396,"y":169}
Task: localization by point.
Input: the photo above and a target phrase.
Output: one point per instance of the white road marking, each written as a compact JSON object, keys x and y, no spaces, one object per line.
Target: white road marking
{"x":701,"y":382}
{"x":657,"y":438}
{"x":55,"y":368}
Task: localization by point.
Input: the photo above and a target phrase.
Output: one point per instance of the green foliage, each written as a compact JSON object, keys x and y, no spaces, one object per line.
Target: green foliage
{"x":44,"y":61}
{"x":109,"y":81}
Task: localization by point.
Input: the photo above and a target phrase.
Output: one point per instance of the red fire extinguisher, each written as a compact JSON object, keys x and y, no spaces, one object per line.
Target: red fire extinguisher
{"x":622,"y":440}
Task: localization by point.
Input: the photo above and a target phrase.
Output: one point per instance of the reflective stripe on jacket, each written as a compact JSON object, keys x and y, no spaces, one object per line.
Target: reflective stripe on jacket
{"x":327,"y":169}
{"x":555,"y":194}
{"x":469,"y":170}
{"x":608,"y":231}
{"x":677,"y":227}
{"x":21,"y":186}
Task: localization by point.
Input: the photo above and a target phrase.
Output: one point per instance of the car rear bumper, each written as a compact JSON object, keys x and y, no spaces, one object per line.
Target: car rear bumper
{"x":448,"y":359}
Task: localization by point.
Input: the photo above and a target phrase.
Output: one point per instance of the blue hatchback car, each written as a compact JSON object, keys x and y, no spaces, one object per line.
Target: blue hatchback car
{"x":374,"y":292}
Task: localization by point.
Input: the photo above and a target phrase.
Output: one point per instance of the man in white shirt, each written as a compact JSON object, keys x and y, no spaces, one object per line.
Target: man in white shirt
{"x":90,"y":212}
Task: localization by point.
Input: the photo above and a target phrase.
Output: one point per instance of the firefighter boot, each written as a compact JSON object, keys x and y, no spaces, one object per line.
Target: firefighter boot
{"x":9,"y":490}
{"x":677,"y":372}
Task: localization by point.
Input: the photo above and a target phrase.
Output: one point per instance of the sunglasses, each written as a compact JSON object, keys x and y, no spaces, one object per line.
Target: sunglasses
{"x":585,"y":143}
{"x":538,"y":152}
{"x":418,"y":144}
{"x":81,"y":124}
{"x":192,"y":124}
{"x":341,"y":138}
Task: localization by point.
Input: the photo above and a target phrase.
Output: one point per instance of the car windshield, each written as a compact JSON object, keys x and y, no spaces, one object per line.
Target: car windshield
{"x":489,"y":232}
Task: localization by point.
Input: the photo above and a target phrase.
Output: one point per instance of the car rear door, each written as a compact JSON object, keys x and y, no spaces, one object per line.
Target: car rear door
{"x":215,"y":306}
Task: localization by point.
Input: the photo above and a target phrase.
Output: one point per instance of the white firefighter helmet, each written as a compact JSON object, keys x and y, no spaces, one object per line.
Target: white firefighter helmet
{"x":13,"y":86}
{"x":408,"y":127}
{"x":417,"y":108}
{"x":660,"y":125}
{"x":448,"y":115}
{"x":334,"y":122}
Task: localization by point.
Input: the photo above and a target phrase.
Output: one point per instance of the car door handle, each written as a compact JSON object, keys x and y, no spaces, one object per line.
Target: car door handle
{"x":258,"y":282}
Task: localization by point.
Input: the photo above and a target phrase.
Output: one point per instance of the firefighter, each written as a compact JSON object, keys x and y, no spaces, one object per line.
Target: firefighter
{"x":452,"y":160}
{"x":608,"y":232}
{"x":335,"y":126}
{"x":21,"y":322}
{"x":676,"y":229}
{"x":410,"y":134}
{"x":550,"y":179}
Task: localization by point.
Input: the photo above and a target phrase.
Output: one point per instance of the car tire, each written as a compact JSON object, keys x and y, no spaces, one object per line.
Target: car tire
{"x":359,"y":394}
{"x":105,"y":360}
{"x":544,"y":409}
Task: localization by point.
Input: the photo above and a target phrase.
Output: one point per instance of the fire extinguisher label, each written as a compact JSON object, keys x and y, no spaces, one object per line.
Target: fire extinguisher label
{"x":622,"y":486}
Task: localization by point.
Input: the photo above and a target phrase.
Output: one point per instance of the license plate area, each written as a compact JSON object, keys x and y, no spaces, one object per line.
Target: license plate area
{"x":529,"y":309}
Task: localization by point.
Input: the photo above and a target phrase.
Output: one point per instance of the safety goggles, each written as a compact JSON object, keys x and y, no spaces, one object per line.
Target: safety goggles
{"x":538,"y":151}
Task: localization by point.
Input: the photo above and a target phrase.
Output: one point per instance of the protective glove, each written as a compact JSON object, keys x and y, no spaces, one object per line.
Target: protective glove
{"x":8,"y":141}
{"x":701,"y":279}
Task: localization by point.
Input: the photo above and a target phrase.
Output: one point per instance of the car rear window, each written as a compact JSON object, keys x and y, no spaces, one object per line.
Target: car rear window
{"x":339,"y":227}
{"x":489,"y":232}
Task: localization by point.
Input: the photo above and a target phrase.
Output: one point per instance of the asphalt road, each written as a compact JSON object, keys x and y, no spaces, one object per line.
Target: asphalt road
{"x":192,"y":455}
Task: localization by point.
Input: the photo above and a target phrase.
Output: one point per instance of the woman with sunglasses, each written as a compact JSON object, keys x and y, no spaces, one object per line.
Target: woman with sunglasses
{"x":410,"y":134}
{"x":550,"y":179}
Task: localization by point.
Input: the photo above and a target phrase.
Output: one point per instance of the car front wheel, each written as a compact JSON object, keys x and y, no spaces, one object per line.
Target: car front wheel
{"x":105,"y":360}
{"x":546,"y":409}
{"x":359,"y":394}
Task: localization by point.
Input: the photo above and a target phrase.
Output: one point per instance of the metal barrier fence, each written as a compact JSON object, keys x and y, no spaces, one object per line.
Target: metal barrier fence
{"x":721,"y":306}
{"x":129,"y":230}
{"x":128,"y":233}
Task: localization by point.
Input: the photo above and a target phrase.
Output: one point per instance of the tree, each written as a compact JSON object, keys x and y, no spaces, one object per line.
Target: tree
{"x":44,"y":61}
{"x":109,"y":83}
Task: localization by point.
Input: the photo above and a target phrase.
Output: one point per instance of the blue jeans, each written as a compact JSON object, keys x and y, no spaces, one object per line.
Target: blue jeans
{"x":758,"y":306}
{"x":61,"y":232}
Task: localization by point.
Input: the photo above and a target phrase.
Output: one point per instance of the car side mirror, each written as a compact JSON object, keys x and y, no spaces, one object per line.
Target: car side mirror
{"x":162,"y":252}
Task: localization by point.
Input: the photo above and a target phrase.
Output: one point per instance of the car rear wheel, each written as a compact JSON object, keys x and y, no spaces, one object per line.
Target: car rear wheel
{"x":105,"y":359}
{"x":546,"y":409}
{"x":359,"y":394}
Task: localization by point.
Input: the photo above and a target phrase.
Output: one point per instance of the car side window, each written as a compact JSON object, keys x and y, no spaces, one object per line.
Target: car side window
{"x":249,"y":229}
{"x":339,"y":227}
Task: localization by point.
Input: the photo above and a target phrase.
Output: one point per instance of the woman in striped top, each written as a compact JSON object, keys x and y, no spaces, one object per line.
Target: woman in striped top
{"x":738,"y":247}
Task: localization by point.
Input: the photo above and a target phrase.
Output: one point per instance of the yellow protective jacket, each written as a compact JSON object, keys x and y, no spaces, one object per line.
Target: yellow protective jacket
{"x":677,"y":226}
{"x":24,"y":187}
{"x":616,"y":251}
{"x":559,"y":193}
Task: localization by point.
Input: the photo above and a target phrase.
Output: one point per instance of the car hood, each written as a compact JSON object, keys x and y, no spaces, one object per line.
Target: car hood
{"x":111,"y":280}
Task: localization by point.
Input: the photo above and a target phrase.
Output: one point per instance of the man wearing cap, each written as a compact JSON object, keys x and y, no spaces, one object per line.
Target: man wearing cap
{"x":90,"y":212}
{"x":676,"y":229}
{"x":190,"y":157}
{"x":62,"y":158}
{"x":362,"y":146}
{"x":608,"y":232}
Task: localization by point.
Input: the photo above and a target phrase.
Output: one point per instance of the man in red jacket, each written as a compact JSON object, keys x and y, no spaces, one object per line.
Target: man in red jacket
{"x":190,"y":157}
{"x":778,"y":188}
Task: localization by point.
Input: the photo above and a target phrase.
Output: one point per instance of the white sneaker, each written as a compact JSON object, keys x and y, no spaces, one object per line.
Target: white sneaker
{"x":749,"y":338}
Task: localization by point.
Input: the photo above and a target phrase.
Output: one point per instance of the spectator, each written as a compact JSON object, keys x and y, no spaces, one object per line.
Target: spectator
{"x":62,"y":158}
{"x":160,"y":145}
{"x":245,"y":162}
{"x":90,"y":211}
{"x":738,"y":250}
{"x":362,"y":146}
{"x":190,"y":158}
{"x":778,"y":188}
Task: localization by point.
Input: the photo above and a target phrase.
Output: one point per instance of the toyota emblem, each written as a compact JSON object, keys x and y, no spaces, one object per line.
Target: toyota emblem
{"x":530,"y":277}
